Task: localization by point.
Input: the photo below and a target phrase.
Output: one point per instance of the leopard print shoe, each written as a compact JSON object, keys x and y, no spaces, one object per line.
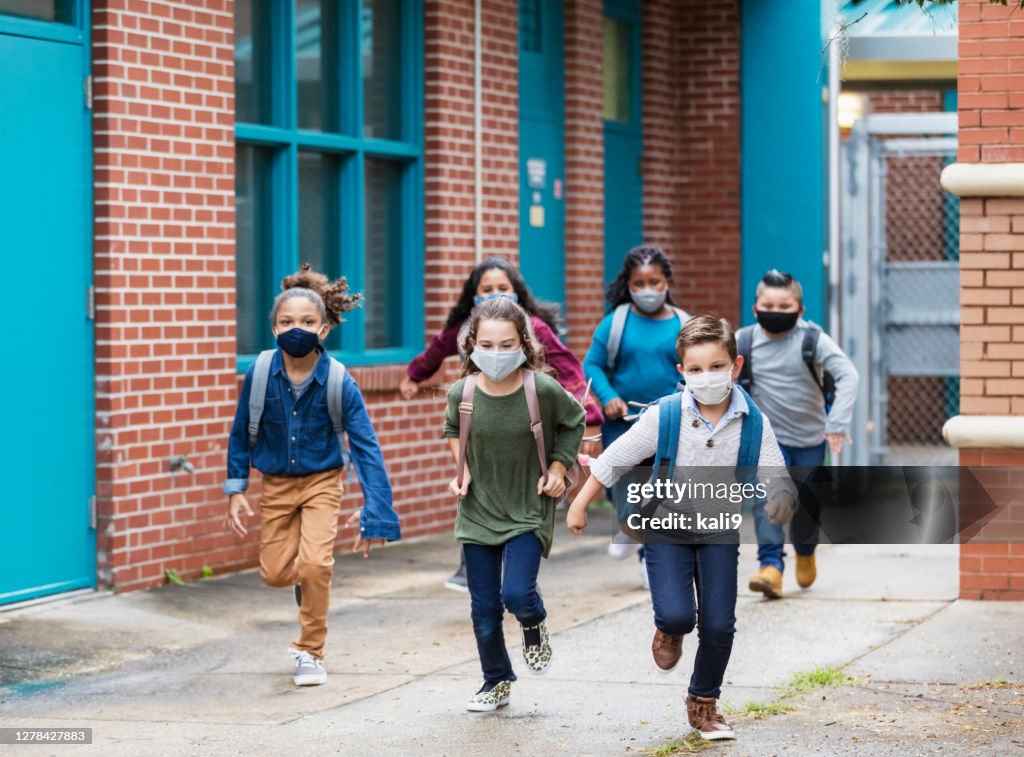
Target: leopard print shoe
{"x":536,"y":648}
{"x":490,"y":697}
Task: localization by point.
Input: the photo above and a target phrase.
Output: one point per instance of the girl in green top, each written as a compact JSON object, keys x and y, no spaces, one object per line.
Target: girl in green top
{"x":506,"y":500}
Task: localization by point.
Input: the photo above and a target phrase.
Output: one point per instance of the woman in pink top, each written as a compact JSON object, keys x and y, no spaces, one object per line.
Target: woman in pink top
{"x":496,"y":277}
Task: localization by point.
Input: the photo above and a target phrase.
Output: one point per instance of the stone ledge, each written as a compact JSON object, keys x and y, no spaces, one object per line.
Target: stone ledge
{"x":984,"y":179}
{"x":985,"y":431}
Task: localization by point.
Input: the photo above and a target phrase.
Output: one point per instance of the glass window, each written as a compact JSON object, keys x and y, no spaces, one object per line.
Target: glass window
{"x":346,"y":203}
{"x":253,"y":268}
{"x":617,"y":74}
{"x":252,"y":61}
{"x":316,"y":65}
{"x":382,"y":59}
{"x":383,"y":256}
{"x":61,"y":11}
{"x":318,"y":215}
{"x":530,"y":38}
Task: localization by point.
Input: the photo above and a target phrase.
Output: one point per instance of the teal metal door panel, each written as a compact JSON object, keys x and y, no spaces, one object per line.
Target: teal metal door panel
{"x":623,"y":133}
{"x":541,"y":148}
{"x":47,"y":544}
{"x":783,"y":125}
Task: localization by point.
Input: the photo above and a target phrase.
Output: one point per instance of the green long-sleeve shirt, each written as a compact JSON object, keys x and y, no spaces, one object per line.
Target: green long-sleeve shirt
{"x":502,"y":501}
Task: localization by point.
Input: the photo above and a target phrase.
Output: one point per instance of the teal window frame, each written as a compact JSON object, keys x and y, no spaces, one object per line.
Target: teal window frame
{"x":286,"y":140}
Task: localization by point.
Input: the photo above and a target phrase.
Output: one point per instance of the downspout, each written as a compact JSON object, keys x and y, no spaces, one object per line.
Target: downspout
{"x":478,"y":244}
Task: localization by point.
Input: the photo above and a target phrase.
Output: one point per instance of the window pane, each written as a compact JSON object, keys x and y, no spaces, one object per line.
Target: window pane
{"x":530,"y":39}
{"x":252,"y":61}
{"x":42,"y":10}
{"x":617,"y":75}
{"x":253,"y":269}
{"x":382,"y":59}
{"x":318,"y":209}
{"x":316,"y":63}
{"x":383,"y":255}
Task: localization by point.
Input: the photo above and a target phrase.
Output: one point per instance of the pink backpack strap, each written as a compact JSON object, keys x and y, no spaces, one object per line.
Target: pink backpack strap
{"x":465,"y":421}
{"x":530,"y":387}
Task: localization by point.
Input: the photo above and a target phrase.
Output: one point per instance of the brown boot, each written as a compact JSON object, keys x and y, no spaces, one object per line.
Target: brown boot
{"x":667,"y":649}
{"x":806,"y":570}
{"x":767,"y":581}
{"x":707,"y":720}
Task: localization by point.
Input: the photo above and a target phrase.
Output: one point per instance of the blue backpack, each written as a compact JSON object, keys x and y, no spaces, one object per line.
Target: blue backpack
{"x":670,"y":414}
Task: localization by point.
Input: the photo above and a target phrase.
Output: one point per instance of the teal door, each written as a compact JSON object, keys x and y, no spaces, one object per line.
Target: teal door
{"x":47,"y":543}
{"x":541,"y":149}
{"x":623,"y":133}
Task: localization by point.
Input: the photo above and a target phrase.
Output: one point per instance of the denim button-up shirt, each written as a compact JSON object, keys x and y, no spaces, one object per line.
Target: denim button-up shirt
{"x":296,"y":438}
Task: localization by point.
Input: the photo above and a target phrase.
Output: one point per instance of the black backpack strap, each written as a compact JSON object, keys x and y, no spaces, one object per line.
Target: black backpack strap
{"x":807,"y":350}
{"x":744,"y":341}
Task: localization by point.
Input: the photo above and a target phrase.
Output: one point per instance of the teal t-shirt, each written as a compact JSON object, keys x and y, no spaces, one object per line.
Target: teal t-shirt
{"x":646,"y":367}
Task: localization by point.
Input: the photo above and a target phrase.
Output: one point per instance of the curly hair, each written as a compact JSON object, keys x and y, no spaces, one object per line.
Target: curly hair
{"x":502,"y":309}
{"x":331,"y":298}
{"x":464,"y":306}
{"x":645,"y":254}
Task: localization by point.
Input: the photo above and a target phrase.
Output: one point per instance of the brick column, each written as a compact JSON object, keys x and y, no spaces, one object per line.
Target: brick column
{"x":165,"y":284}
{"x":991,"y":137}
{"x":584,"y":170}
{"x":691,"y":163}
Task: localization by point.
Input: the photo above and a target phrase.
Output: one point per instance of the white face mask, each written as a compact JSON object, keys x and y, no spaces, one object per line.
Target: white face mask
{"x":710,"y":388}
{"x":496,"y":365}
{"x":649,"y":300}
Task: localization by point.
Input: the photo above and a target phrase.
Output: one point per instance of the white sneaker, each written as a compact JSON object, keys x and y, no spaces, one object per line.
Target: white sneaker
{"x":643,"y":574}
{"x":309,"y":671}
{"x":620,"y":551}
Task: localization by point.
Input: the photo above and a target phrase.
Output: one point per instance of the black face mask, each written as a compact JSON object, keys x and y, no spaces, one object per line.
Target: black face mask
{"x":776,"y":322}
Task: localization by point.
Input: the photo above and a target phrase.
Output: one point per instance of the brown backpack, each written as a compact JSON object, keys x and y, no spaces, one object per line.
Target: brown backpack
{"x":575,"y":476}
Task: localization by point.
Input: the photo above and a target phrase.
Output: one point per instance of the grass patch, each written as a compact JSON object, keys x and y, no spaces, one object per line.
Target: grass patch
{"x":759,"y":710}
{"x":689,"y":745}
{"x":816,"y":679}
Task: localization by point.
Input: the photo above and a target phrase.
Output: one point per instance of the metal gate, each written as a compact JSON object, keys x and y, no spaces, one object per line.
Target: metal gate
{"x":900,"y":287}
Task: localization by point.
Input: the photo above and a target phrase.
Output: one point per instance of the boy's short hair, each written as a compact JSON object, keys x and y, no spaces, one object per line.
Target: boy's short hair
{"x":775,"y":279}
{"x":706,"y":328}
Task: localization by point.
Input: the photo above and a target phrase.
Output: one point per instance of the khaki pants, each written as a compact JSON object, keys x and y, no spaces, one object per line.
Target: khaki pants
{"x":299,"y":516}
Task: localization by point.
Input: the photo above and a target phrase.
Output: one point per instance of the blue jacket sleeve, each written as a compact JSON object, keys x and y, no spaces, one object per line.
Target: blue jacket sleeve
{"x":238,"y":442}
{"x":594,"y":363}
{"x":378,"y":519}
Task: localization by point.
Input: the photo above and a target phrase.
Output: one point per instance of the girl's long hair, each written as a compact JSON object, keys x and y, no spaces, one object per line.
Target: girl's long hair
{"x":502,"y":309}
{"x":461,"y":310}
{"x":645,"y":254}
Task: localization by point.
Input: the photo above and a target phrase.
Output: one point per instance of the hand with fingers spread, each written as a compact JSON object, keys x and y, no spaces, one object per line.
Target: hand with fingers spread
{"x":360,"y":543}
{"x":237,"y":503}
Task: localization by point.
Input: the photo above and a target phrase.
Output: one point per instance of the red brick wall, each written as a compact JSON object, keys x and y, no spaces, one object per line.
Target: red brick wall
{"x":584,"y":170}
{"x":990,"y":83}
{"x":164,"y":275}
{"x":991,"y":113}
{"x":906,"y":101}
{"x":691,"y":164}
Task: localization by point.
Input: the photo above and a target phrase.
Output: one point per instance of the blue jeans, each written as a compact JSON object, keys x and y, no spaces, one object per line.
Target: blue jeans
{"x":492,"y":592}
{"x":675,"y":571}
{"x":803,"y":529}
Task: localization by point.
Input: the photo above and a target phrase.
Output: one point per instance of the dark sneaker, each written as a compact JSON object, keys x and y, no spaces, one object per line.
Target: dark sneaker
{"x":298,"y":594}
{"x":309,"y":671}
{"x":666,"y":649}
{"x":536,"y":648}
{"x":707,"y":720}
{"x":490,"y":697}
{"x":458,"y":580}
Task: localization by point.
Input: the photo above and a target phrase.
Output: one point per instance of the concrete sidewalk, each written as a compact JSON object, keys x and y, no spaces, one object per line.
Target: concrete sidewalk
{"x":203,"y":669}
